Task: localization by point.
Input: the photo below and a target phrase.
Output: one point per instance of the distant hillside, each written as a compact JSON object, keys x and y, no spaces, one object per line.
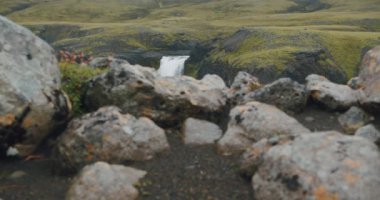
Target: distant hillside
{"x":279,"y":33}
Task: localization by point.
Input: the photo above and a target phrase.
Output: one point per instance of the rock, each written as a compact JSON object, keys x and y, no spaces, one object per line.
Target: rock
{"x":103,"y":181}
{"x":284,"y":93}
{"x":200,"y":132}
{"x":369,"y":79}
{"x":31,"y":102}
{"x":354,"y":119}
{"x":167,"y":100}
{"x":331,"y":95}
{"x":103,"y":62}
{"x":354,"y":83}
{"x":107,"y":135}
{"x":325,"y":165}
{"x":369,"y":132}
{"x":243,"y":84}
{"x":309,"y":119}
{"x":254,"y":121}
{"x":17,"y":175}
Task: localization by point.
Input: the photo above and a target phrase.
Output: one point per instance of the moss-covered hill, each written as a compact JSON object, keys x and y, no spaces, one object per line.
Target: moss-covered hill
{"x":268,"y":37}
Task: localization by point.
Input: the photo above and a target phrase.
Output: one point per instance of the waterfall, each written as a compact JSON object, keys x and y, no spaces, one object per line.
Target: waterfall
{"x":172,"y":65}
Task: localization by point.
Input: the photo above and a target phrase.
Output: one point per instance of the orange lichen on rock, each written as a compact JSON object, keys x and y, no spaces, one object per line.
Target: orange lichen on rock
{"x":352,"y":164}
{"x":321,"y":193}
{"x":7,"y":120}
{"x":27,"y":123}
{"x":147,"y":112}
{"x":351,"y":178}
{"x":315,"y":94}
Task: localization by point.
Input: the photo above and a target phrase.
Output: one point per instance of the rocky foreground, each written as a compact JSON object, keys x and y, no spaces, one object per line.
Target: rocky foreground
{"x":133,"y":112}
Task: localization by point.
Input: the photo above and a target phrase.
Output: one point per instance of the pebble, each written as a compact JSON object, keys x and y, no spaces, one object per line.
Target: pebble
{"x":309,"y":119}
{"x":17,"y":175}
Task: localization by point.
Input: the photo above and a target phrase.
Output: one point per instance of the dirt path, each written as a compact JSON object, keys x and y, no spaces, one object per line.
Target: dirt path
{"x":182,"y":173}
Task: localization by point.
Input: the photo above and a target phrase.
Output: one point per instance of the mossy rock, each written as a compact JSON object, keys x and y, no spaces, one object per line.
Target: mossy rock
{"x":74,"y":78}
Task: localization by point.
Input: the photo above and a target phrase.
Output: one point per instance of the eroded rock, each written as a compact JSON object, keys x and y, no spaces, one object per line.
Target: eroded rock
{"x":166,"y":100}
{"x":104,"y":181}
{"x":243,"y":84}
{"x":254,"y":121}
{"x":31,"y":102}
{"x":107,"y":135}
{"x":369,"y":79}
{"x":325,"y":165}
{"x":354,"y":119}
{"x":331,"y":95}
{"x":369,"y":132}
{"x":284,"y":93}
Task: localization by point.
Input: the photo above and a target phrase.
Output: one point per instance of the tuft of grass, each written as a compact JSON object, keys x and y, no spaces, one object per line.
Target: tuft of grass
{"x":74,"y":78}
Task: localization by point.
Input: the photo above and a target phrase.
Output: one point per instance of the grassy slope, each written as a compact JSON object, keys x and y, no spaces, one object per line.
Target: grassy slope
{"x":345,"y":28}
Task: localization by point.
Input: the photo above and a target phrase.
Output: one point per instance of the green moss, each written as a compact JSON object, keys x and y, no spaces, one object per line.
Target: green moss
{"x":347,"y":48}
{"x":73,"y":79}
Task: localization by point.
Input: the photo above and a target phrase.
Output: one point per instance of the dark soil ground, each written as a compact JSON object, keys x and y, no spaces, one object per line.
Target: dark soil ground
{"x":182,"y":173}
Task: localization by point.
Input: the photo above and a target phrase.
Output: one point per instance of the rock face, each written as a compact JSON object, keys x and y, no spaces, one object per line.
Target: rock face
{"x":284,"y":93}
{"x":369,"y":132}
{"x":326,"y":165}
{"x":107,"y":135}
{"x":369,"y":79}
{"x":31,"y":102}
{"x":200,"y":132}
{"x":331,"y":95}
{"x":166,"y":100}
{"x":243,"y":84}
{"x":104,"y":181}
{"x":354,"y":119}
{"x":254,"y":121}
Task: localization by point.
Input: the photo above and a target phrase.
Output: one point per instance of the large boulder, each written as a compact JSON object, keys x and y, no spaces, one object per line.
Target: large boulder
{"x":325,"y":165}
{"x":167,"y":100}
{"x":369,"y":79}
{"x":103,"y":181}
{"x":354,"y":119}
{"x":31,"y":102}
{"x":200,"y":132}
{"x":284,"y":93}
{"x":331,"y":95}
{"x":107,"y":135}
{"x":254,"y":121}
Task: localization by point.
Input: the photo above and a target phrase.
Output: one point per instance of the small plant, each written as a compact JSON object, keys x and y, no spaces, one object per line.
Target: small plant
{"x":74,"y":78}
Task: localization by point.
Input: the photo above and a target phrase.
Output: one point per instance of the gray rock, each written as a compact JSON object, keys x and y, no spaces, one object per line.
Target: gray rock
{"x":369,"y":79}
{"x":369,"y":132}
{"x":104,"y":62}
{"x":107,"y":135}
{"x":100,"y":62}
{"x":200,"y":132}
{"x":31,"y":102}
{"x":254,"y":121}
{"x":17,"y":175}
{"x":331,"y":95}
{"x":354,"y":83}
{"x":166,"y":100}
{"x":284,"y":93}
{"x":103,"y":181}
{"x":243,"y":84}
{"x":325,"y":165}
{"x":354,"y":119}
{"x":309,"y":119}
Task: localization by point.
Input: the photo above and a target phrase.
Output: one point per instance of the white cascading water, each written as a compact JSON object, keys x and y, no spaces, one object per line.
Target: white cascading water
{"x":172,"y":65}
